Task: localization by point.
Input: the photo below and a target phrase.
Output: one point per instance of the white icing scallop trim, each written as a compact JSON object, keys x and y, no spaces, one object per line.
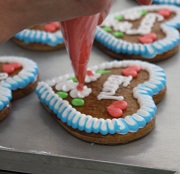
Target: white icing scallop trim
{"x":5,"y":97}
{"x":132,"y":123}
{"x":148,"y":51}
{"x":27,"y":75}
{"x":173,"y":2}
{"x":29,"y":36}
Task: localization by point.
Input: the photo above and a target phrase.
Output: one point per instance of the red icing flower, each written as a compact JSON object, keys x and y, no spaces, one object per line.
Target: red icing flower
{"x":51,"y":27}
{"x":148,"y":38}
{"x":131,"y":71}
{"x":116,"y":108}
{"x":165,"y":12}
{"x":10,"y":68}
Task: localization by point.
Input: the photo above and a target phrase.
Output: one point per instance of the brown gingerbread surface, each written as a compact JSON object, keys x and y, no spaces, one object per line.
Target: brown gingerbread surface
{"x":21,"y":92}
{"x":135,"y":39}
{"x":38,"y":46}
{"x":97,"y":108}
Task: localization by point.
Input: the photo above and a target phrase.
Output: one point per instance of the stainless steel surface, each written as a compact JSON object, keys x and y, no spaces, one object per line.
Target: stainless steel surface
{"x":31,"y":141}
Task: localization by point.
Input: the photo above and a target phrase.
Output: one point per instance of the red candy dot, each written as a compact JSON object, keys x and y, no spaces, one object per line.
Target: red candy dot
{"x":131,"y":71}
{"x":8,"y":69}
{"x":148,"y":38}
{"x":120,"y":104}
{"x":51,"y":27}
{"x":80,"y":88}
{"x":152,"y":36}
{"x":116,"y":108}
{"x":115,"y":112}
{"x":89,"y":73}
{"x":16,"y":65}
{"x":165,"y":12}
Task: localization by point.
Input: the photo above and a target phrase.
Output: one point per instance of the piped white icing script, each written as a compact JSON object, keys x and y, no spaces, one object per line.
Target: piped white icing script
{"x":112,"y":85}
{"x":145,"y":26}
{"x":143,"y":93}
{"x":119,"y":45}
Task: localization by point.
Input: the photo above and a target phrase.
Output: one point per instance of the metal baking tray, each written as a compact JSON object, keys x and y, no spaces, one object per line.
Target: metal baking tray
{"x":33,"y":142}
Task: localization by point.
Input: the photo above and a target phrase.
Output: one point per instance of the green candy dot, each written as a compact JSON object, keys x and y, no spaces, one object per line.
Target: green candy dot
{"x":74,"y":79}
{"x":102,"y":72}
{"x":77,"y":102}
{"x":62,"y":94}
{"x":107,"y":29}
{"x":119,"y":18}
{"x":118,"y":34}
{"x":142,"y":12}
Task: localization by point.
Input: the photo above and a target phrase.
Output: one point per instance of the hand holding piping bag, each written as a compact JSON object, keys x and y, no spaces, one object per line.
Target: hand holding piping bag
{"x":79,"y":36}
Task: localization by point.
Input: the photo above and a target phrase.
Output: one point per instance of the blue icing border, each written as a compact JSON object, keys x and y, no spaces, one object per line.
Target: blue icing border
{"x":172,"y":2}
{"x":29,"y":36}
{"x":5,"y":97}
{"x":132,"y":123}
{"x":148,"y":51}
{"x":27,"y":75}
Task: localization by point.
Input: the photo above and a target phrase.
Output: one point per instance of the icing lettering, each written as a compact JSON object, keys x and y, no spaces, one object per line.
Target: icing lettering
{"x":111,"y":86}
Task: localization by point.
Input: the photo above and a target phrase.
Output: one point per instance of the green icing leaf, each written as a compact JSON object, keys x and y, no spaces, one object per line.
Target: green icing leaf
{"x":102,"y":72}
{"x":119,"y":18}
{"x":77,"y":102}
{"x":74,"y":79}
{"x":62,"y":94}
{"x":118,"y":34}
{"x":107,"y":29}
{"x":143,"y":12}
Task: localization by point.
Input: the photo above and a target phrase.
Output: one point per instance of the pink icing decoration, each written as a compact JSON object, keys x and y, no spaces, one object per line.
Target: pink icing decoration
{"x":116,"y":108}
{"x":148,"y":38}
{"x":51,"y":27}
{"x":165,"y":12}
{"x":10,"y":68}
{"x":131,"y":71}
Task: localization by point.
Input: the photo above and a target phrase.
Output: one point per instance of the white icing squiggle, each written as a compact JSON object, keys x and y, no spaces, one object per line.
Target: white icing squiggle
{"x":148,"y":51}
{"x":112,"y":85}
{"x":146,"y":24}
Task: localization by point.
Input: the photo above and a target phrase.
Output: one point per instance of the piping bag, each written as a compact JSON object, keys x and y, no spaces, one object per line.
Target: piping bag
{"x":79,"y":37}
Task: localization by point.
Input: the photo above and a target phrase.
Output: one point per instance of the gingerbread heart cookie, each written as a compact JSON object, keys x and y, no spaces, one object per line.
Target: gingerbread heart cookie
{"x":44,"y":37}
{"x":147,"y":33}
{"x":117,"y":104}
{"x":18,"y":78}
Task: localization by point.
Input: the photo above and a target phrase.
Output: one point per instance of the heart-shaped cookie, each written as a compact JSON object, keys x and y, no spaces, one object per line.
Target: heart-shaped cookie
{"x":147,"y":33}
{"x":111,"y":108}
{"x":18,"y":78}
{"x":43,"y":37}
